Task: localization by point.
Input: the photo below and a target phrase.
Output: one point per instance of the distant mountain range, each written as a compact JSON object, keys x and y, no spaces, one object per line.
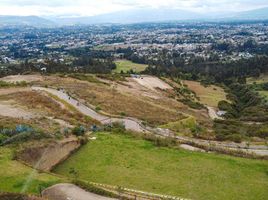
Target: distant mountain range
{"x":25,"y":20}
{"x":135,"y":16}
{"x":259,"y":14}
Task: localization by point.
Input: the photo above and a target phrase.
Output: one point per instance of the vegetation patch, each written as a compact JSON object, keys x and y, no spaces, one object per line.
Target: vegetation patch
{"x":85,"y":77}
{"x":135,"y":163}
{"x":126,"y":66}
{"x":4,"y":84}
{"x":187,"y":125}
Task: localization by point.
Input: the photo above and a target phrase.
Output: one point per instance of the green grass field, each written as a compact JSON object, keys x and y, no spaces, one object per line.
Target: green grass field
{"x":16,"y":177}
{"x":183,"y":126}
{"x":126,"y":65}
{"x":138,"y":164}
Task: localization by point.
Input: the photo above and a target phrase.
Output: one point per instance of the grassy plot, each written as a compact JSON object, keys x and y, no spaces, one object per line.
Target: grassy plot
{"x":262,"y":79}
{"x":126,"y":65}
{"x":16,"y":177}
{"x":210,"y":95}
{"x":136,"y":163}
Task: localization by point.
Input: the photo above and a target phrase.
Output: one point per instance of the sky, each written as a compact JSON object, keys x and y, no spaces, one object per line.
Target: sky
{"x":96,"y":7}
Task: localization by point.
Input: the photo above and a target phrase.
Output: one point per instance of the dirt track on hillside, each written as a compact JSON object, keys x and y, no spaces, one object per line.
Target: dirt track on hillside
{"x":136,"y":125}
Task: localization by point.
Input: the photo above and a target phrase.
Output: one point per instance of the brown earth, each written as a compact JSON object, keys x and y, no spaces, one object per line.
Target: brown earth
{"x":128,"y":98}
{"x":19,"y":78}
{"x":45,"y":157}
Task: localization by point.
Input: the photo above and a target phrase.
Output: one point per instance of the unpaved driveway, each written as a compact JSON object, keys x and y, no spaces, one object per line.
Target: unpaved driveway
{"x":67,"y":191}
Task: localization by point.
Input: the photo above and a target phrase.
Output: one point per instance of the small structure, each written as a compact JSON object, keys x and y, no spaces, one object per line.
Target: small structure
{"x":43,"y":69}
{"x":135,"y":76}
{"x":221,"y":113}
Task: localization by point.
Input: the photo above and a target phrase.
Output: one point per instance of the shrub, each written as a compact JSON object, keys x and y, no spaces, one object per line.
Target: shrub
{"x":79,"y":130}
{"x":98,"y":108}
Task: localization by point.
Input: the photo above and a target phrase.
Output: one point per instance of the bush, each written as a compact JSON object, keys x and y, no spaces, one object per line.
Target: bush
{"x":79,"y":130}
{"x":25,"y":136}
{"x":235,"y":137}
{"x":98,"y":108}
{"x":21,"y":133}
{"x":116,"y":127}
{"x":192,"y":104}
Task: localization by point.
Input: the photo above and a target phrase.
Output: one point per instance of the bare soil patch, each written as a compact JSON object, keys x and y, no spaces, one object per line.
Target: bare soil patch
{"x":209,"y":95}
{"x":19,"y":78}
{"x":152,"y":82}
{"x":46,"y":157}
{"x":11,"y":111}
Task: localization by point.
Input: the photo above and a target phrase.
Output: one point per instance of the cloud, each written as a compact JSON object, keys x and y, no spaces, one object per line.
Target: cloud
{"x":94,"y":7}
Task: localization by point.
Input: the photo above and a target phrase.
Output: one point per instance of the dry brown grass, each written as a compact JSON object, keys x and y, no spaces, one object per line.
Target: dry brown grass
{"x":110,"y":100}
{"x":42,"y":124}
{"x":210,"y":95}
{"x":46,"y":106}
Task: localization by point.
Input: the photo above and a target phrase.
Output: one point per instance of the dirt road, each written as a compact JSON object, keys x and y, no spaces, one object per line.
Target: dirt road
{"x":67,"y":191}
{"x":130,"y":124}
{"x":135,"y":125}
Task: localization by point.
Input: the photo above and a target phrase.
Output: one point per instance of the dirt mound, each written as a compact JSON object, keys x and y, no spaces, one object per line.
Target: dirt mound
{"x":46,"y":157}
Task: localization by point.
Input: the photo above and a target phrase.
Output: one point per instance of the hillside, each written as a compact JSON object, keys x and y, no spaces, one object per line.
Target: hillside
{"x":258,"y":14}
{"x":134,"y":16}
{"x":24,"y":21}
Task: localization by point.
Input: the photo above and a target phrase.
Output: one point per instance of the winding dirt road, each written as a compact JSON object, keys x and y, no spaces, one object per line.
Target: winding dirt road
{"x":135,"y":125}
{"x":130,"y":124}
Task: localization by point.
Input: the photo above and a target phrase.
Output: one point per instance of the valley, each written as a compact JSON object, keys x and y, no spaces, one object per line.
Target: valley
{"x":169,"y":110}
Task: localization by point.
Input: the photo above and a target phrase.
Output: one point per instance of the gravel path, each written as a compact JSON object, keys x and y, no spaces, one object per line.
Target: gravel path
{"x":67,"y":191}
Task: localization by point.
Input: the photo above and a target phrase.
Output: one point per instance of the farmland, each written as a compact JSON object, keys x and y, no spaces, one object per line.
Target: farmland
{"x":131,"y":162}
